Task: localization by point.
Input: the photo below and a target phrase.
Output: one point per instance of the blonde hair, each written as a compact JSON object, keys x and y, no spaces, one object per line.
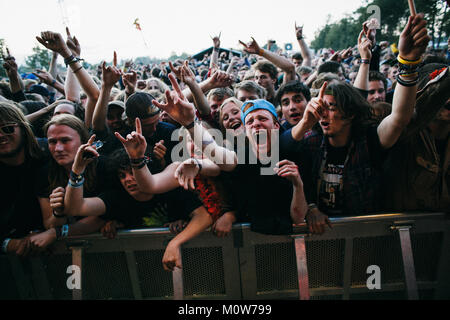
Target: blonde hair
{"x":234,"y":100}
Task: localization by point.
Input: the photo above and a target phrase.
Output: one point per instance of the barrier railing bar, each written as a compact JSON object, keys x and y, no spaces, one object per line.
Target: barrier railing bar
{"x":178,"y":285}
{"x":298,"y":229}
{"x":443,"y":288}
{"x":408,"y":263}
{"x":302,"y":267}
{"x":134,"y":278}
{"x":348,"y":260}
{"x":77,"y":260}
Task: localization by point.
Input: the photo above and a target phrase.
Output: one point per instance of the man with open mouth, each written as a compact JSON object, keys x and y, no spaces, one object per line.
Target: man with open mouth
{"x":341,"y":158}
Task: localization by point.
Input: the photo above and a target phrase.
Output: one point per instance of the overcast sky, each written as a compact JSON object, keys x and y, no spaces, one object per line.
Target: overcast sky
{"x":168,"y":25}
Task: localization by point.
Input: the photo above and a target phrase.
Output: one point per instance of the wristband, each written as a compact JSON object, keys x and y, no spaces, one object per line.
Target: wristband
{"x":53,"y":82}
{"x":81,"y":67}
{"x":65,"y":231}
{"x":139,"y":163}
{"x":69,"y":60}
{"x":407,"y":83}
{"x":365,"y":61}
{"x":408,"y":62}
{"x":261,"y":52}
{"x":76,"y":178}
{"x":5,"y":245}
{"x":58,"y":215}
{"x":191,"y":125}
{"x":76,"y":185}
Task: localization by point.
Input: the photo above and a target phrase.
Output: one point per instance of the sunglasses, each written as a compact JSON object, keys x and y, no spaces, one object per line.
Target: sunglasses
{"x":8,"y":129}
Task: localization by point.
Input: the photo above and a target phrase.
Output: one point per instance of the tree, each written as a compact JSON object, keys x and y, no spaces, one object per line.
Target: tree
{"x":39,"y":59}
{"x":394,"y":14}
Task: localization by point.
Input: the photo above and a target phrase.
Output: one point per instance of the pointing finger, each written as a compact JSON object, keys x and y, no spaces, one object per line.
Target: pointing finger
{"x":138,"y":126}
{"x":322,"y":90}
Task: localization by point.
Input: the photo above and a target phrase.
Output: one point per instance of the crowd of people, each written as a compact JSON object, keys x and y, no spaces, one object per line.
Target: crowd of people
{"x":265,"y":137}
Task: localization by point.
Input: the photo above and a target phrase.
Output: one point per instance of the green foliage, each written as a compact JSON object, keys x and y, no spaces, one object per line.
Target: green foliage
{"x":174,"y":56}
{"x":39,"y":59}
{"x":394,"y":14}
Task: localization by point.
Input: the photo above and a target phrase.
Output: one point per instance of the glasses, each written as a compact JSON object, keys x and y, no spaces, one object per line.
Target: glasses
{"x":8,"y":129}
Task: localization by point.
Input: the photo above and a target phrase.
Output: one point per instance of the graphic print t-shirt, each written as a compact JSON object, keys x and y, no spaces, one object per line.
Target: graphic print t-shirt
{"x":331,"y":182}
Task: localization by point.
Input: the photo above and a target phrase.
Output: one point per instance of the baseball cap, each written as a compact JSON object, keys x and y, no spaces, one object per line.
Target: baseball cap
{"x":253,"y":105}
{"x":139,"y":105}
{"x":36,"y":88}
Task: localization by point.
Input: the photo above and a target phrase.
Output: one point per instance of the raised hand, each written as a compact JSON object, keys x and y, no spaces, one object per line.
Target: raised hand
{"x":220,"y":79}
{"x":85,"y":155}
{"x":364,"y":46}
{"x":177,"y":106}
{"x":298,"y":31}
{"x":73,"y":44}
{"x":130,"y":80}
{"x":44,"y":76}
{"x":187,"y":76}
{"x":10,"y":66}
{"x":54,"y":42}
{"x":186,"y":173}
{"x":414,"y":39}
{"x":135,"y":143}
{"x":370,"y":30}
{"x":216,"y":41}
{"x":314,"y":108}
{"x":251,"y":47}
{"x":110,"y":74}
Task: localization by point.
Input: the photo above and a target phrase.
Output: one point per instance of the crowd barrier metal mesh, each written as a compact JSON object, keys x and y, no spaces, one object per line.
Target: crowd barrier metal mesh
{"x":247,"y":265}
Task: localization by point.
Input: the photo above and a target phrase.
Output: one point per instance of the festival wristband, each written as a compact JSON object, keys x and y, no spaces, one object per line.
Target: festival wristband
{"x":408,"y":62}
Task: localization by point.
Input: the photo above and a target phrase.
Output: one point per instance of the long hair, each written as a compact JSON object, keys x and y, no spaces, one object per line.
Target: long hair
{"x":9,"y":113}
{"x":350,"y":102}
{"x":57,"y":175}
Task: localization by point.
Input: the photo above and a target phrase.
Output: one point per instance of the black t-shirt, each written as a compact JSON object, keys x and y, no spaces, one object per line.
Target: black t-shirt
{"x":20,"y":212}
{"x":162,"y":208}
{"x":263,"y":200}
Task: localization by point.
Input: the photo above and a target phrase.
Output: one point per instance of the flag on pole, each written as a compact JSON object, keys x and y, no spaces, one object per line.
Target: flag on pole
{"x":137,"y":24}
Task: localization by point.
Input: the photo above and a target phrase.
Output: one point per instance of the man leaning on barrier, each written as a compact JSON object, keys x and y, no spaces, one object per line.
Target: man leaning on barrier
{"x":272,"y":201}
{"x":140,"y":184}
{"x":340,"y":157}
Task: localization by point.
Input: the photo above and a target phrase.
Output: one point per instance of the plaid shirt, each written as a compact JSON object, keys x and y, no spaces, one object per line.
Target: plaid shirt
{"x":361,"y":180}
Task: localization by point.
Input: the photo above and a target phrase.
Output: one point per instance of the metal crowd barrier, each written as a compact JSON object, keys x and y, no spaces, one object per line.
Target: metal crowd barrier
{"x":412,"y":252}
